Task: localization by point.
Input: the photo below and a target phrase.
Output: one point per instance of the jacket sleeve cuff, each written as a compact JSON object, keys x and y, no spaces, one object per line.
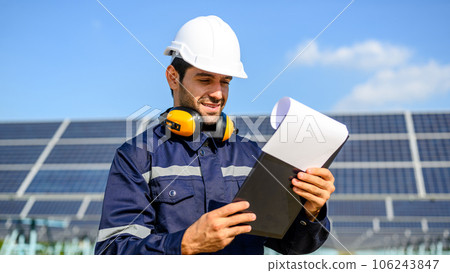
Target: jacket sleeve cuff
{"x":172,"y":243}
{"x":320,"y":221}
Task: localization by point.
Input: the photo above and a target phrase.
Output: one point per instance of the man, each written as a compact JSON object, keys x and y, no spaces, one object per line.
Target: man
{"x":172,"y":195}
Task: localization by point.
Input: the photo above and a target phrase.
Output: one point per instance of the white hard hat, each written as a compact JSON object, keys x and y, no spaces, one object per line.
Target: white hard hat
{"x":208,"y":43}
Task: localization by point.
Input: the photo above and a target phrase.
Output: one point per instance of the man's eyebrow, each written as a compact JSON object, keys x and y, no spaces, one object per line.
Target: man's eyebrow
{"x":203,"y":74}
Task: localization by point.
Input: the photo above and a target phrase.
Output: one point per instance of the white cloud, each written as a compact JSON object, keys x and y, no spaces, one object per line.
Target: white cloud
{"x":393,"y":87}
{"x":396,"y":81}
{"x":368,"y":55}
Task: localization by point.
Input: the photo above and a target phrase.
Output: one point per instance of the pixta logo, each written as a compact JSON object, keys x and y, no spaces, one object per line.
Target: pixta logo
{"x":139,"y":126}
{"x":299,"y":130}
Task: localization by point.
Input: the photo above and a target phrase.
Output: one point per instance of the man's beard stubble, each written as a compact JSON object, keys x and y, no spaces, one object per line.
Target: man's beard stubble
{"x":187,"y":100}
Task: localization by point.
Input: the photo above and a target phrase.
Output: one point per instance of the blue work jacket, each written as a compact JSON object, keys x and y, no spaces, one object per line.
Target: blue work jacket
{"x":158,"y":186}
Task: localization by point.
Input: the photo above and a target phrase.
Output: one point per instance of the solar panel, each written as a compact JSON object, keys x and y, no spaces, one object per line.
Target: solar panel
{"x":374,"y":181}
{"x":437,"y":180}
{"x":356,"y":208}
{"x":344,"y":225}
{"x":88,"y":153}
{"x":93,"y":129}
{"x":20,"y":154}
{"x":85,"y":223}
{"x":10,"y":181}
{"x":439,"y":225}
{"x":94,"y":208}
{"x":28,"y":130}
{"x":375,"y":150}
{"x":431,"y":123}
{"x":401,"y":225}
{"x":69,"y":181}
{"x":434,"y":149}
{"x":10,"y":207}
{"x":55,"y":208}
{"x":422,"y":208}
{"x":373,"y":124}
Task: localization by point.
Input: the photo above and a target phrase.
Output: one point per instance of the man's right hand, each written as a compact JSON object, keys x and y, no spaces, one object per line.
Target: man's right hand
{"x":216,"y":229}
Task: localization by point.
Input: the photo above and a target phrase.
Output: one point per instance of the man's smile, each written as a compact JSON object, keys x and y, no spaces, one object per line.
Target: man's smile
{"x":210,"y":107}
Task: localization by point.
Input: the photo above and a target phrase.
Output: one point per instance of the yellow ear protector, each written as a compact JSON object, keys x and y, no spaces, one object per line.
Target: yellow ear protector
{"x":185,"y":121}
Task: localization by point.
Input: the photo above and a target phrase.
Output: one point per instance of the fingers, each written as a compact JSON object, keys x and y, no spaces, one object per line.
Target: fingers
{"x":310,"y":188}
{"x":236,"y":230}
{"x":240,"y":218}
{"x":321,"y":172}
{"x":231,"y":208}
{"x":318,"y":200}
{"x":318,"y":177}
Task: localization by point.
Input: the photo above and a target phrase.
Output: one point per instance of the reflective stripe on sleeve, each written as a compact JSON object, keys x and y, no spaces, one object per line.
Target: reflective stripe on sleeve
{"x":136,"y":230}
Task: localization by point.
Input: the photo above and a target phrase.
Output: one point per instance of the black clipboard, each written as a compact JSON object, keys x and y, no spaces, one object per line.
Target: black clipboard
{"x":269,"y":192}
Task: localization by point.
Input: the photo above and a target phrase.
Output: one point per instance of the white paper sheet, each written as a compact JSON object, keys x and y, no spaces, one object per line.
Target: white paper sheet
{"x":304,"y":137}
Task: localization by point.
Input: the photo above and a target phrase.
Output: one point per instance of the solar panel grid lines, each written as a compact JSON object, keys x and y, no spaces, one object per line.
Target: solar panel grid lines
{"x":356,"y":208}
{"x":94,"y":208}
{"x":434,"y":149}
{"x":42,"y":157}
{"x":82,"y":153}
{"x":373,"y":124}
{"x":374,"y":181}
{"x":76,"y":166}
{"x":11,"y":207}
{"x":91,"y":140}
{"x":26,"y":130}
{"x":432,"y":122}
{"x":344,"y":225}
{"x":439,"y":225}
{"x":429,"y":208}
{"x":10,"y":181}
{"x":437,"y":180}
{"x":375,"y":150}
{"x":69,"y":181}
{"x":20,"y":154}
{"x":96,"y":129}
{"x":55,"y":208}
{"x":400,"y":225}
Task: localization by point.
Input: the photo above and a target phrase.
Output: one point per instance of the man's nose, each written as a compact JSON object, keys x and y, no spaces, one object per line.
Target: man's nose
{"x":216,"y":92}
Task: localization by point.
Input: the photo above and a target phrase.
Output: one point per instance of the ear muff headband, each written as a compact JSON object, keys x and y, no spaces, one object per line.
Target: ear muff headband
{"x":185,"y":121}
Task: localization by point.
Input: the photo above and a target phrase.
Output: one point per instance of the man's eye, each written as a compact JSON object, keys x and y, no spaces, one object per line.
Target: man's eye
{"x":204,"y":80}
{"x":227,"y":83}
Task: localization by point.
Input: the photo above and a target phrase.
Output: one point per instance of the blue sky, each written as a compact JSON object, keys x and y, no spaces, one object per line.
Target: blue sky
{"x":71,"y":59}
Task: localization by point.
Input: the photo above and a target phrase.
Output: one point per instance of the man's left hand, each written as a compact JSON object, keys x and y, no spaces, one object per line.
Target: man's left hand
{"x":315,"y":185}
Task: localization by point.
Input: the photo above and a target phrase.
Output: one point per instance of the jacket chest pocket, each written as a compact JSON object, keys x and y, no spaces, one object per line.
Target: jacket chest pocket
{"x":233,"y":184}
{"x":171,"y":191}
{"x":174,"y":203}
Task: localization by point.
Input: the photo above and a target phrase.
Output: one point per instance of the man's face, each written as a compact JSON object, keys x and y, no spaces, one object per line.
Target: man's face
{"x":203,"y":91}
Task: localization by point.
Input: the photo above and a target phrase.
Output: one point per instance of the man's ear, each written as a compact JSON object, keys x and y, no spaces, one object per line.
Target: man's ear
{"x":172,"y":77}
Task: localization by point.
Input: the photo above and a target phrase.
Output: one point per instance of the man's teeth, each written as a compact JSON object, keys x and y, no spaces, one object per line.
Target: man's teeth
{"x":211,"y":105}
